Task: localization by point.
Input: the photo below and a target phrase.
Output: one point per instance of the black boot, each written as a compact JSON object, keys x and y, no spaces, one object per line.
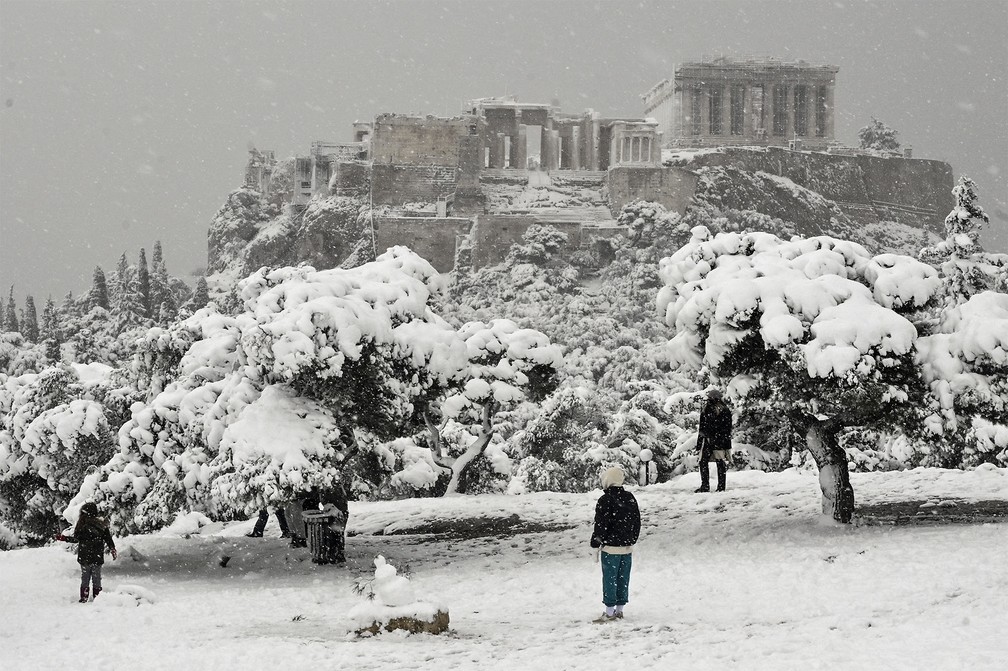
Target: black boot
{"x":722,"y":475}
{"x":83,"y":595}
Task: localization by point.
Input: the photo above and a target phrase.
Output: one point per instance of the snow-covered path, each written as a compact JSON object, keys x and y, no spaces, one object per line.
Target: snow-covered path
{"x":752,"y":578}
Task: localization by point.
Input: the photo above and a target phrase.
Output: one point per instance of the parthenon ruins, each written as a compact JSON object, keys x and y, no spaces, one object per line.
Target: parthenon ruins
{"x":745,"y":102}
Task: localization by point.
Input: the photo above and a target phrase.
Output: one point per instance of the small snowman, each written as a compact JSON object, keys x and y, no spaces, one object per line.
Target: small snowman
{"x":392,"y":604}
{"x":391,"y":589}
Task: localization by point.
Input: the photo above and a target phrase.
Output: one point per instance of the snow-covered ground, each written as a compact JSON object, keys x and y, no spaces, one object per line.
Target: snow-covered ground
{"x":752,"y":578}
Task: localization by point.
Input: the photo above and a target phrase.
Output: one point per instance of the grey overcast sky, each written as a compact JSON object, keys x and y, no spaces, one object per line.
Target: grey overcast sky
{"x":123,"y":123}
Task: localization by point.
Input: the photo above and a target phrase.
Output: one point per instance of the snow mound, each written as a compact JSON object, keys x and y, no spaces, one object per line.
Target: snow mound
{"x":125,"y":596}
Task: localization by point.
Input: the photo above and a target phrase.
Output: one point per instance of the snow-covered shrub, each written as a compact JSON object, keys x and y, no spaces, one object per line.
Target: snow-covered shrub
{"x":54,"y":431}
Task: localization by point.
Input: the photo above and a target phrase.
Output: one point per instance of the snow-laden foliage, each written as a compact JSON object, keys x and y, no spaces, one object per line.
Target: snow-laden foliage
{"x":964,"y":265}
{"x":57,"y":426}
{"x":965,"y":364}
{"x":294,"y":391}
{"x":808,"y":330}
{"x":878,"y":136}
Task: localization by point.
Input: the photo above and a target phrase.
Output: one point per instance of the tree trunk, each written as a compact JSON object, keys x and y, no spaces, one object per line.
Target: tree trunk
{"x":834,"y":477}
{"x":460,"y":464}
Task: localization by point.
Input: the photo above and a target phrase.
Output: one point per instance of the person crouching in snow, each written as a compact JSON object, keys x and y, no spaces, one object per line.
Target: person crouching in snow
{"x":91,"y":533}
{"x":617,"y":527}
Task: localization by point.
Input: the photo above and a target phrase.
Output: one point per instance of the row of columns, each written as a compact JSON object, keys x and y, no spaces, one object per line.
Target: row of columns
{"x":749,"y":123}
{"x":550,"y":143}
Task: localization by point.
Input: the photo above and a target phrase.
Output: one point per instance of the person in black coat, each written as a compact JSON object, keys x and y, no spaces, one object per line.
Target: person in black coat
{"x":714,"y":440}
{"x":616,"y":530}
{"x":92,"y":535}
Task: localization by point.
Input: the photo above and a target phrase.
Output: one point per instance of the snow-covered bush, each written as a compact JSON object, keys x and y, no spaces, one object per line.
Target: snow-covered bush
{"x":54,"y":430}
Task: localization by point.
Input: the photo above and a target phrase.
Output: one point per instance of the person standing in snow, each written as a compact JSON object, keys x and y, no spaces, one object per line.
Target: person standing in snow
{"x":91,"y":533}
{"x":714,"y":440}
{"x":617,"y":527}
{"x":260,"y":525}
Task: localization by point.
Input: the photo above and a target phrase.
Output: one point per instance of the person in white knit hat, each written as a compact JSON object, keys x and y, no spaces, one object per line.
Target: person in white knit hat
{"x":617,"y":527}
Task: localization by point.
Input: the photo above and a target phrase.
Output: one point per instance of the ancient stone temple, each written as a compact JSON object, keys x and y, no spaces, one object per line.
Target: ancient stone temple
{"x":745,"y":102}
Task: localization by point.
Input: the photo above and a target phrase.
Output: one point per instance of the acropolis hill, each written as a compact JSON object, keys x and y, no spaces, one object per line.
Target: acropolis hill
{"x":739,"y":135}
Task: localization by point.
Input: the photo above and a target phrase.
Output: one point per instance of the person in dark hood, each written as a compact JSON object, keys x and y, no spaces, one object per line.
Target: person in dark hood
{"x":714,"y":440}
{"x":92,"y":535}
{"x":616,"y":530}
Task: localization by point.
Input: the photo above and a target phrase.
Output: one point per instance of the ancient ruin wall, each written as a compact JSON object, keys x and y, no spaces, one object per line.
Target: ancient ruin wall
{"x":406,"y":140}
{"x":671,"y":187}
{"x":399,"y":184}
{"x":493,"y":235}
{"x":430,"y":237}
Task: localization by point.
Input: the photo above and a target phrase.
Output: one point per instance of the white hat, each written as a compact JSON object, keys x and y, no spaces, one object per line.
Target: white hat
{"x":613,"y":477}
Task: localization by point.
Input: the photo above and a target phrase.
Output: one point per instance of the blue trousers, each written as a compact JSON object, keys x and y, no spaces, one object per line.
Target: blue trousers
{"x":615,"y":579}
{"x":90,"y":573}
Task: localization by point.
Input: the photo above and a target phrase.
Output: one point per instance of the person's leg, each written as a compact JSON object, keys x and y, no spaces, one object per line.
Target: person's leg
{"x":722,"y":474}
{"x":623,"y":581}
{"x":260,"y":524}
{"x":704,"y":471}
{"x":282,"y":520}
{"x":85,"y":581}
{"x":610,"y":571}
{"x":96,"y":579}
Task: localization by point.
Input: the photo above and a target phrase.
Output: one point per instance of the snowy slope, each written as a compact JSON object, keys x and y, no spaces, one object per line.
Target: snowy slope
{"x":752,"y":578}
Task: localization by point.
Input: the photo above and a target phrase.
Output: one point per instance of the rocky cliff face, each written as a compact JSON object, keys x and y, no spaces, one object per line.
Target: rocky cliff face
{"x":251,"y":231}
{"x":868,"y":189}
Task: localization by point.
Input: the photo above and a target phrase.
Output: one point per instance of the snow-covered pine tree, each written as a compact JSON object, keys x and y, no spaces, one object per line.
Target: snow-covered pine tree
{"x":965,"y":267}
{"x":200,"y":297}
{"x":128,"y":310}
{"x":98,"y":296}
{"x":163,"y":304}
{"x":29,"y":322}
{"x":809,"y":330}
{"x":149,"y":309}
{"x":10,"y":318}
{"x":50,"y":332}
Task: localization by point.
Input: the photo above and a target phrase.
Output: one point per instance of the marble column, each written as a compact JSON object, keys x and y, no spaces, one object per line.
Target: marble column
{"x":520,"y":147}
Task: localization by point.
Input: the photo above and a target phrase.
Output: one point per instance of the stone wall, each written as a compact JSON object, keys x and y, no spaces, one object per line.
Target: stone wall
{"x":493,"y":234}
{"x":671,"y":187}
{"x":398,"y":184}
{"x":430,"y":237}
{"x":405,"y":140}
{"x":350,"y":178}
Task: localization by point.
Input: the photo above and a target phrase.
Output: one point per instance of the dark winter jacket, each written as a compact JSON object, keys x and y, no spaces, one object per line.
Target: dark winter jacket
{"x":91,"y":535}
{"x":617,"y":519}
{"x":715,"y":426}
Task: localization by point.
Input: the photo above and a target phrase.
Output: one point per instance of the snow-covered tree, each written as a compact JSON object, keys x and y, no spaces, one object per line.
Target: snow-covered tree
{"x":506,"y":365}
{"x":144,"y":286}
{"x":809,"y":330}
{"x":128,"y":309}
{"x":965,"y":267}
{"x":10,"y":317}
{"x":29,"y":320}
{"x":98,"y":296}
{"x":53,"y":430}
{"x":290,"y":393}
{"x":200,"y":297}
{"x":879,"y":136}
